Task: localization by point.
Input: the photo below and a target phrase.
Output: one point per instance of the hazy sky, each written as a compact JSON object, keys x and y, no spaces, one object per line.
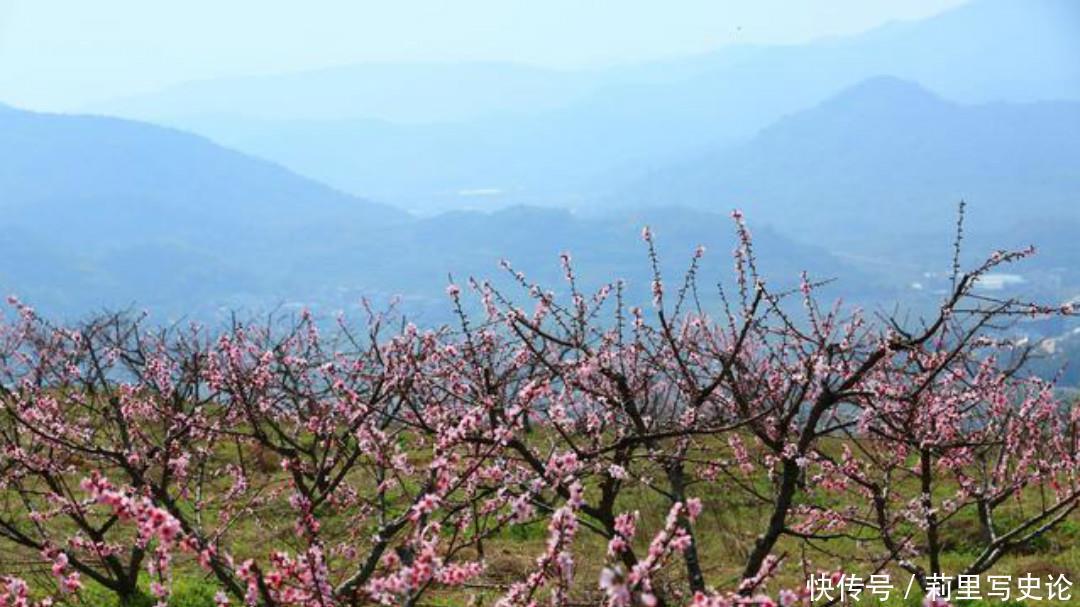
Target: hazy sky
{"x":57,"y":54}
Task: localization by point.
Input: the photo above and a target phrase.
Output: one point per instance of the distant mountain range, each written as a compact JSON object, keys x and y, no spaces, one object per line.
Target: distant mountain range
{"x":848,"y":156}
{"x":106,"y":175}
{"x":886,"y":157}
{"x":430,"y":136}
{"x":408,"y":93}
{"x":982,"y":50}
{"x":101,"y":212}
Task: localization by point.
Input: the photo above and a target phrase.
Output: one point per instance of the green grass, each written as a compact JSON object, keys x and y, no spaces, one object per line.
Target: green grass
{"x":186,"y":592}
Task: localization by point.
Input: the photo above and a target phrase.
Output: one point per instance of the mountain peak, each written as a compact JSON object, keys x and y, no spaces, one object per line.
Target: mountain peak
{"x":885,"y":91}
{"x":873,"y":103}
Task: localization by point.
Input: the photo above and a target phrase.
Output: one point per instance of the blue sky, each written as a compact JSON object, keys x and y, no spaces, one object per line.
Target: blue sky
{"x":57,"y":54}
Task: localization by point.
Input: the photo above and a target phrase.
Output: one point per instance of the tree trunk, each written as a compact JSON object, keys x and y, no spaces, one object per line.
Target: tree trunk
{"x":677,"y":481}
{"x":777,"y":522}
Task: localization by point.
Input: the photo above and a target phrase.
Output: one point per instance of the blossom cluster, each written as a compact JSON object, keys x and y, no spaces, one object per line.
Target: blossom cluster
{"x":381,"y":464}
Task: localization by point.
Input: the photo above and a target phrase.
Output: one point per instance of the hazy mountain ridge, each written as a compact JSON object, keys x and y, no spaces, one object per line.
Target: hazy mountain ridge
{"x":579,"y":133}
{"x":136,"y":175}
{"x":178,"y":262}
{"x":857,"y":174}
{"x":887,"y":156}
{"x":982,"y":64}
{"x":383,"y":91}
{"x":102,"y":212}
{"x":85,"y":199}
